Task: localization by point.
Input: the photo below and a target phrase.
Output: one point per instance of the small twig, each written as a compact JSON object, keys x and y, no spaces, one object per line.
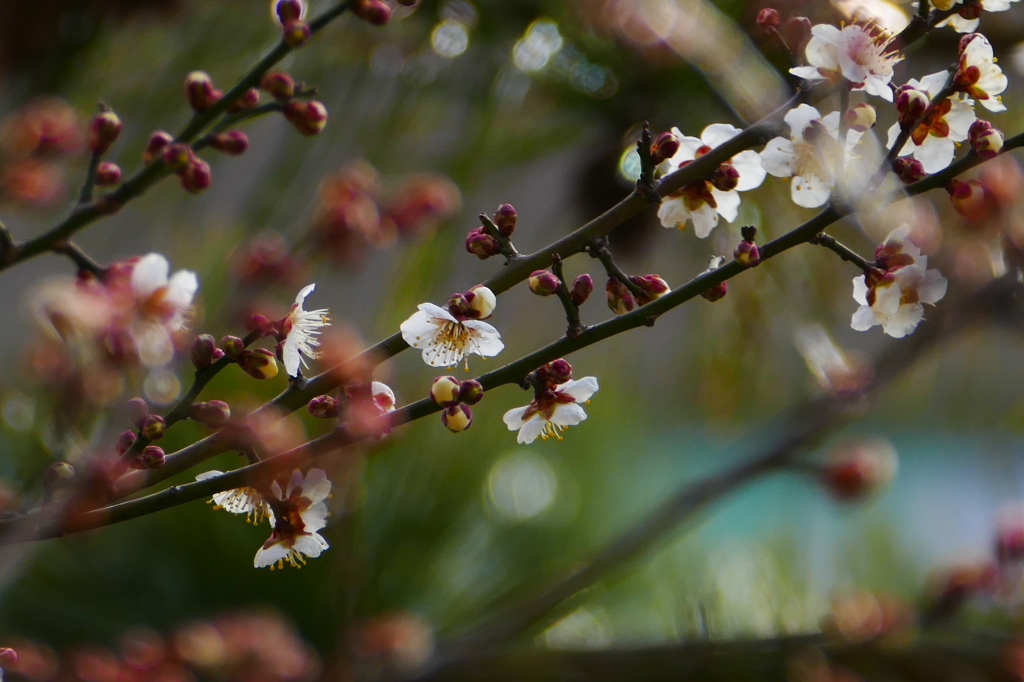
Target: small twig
{"x":89,"y":184}
{"x":82,"y":261}
{"x":508,"y":250}
{"x":844,"y":252}
{"x":572,"y":311}
{"x":645,"y":185}
{"x":599,"y":250}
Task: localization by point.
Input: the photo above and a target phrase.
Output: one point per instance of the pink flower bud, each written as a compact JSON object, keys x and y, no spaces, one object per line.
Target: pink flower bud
{"x":289,"y":10}
{"x":250,"y":99}
{"x":124,"y":442}
{"x":155,"y":145}
{"x":103,"y":131}
{"x":232,"y":346}
{"x":199,"y":90}
{"x":138,"y":410}
{"x":970,"y":9}
{"x":653,"y":286}
{"x":296,"y":33}
{"x":471,"y":392}
{"x":178,"y":156}
{"x":969,"y":197}
{"x":544,"y":283}
{"x":908,"y":170}
{"x":858,"y":469}
{"x":797,"y":32}
{"x":107,"y":174}
{"x":153,"y":427}
{"x":8,"y":657}
{"x":718,"y":291}
{"x":309,"y":118}
{"x":768,"y":19}
{"x":556,"y":372}
{"x":986,"y":141}
{"x":747,"y":254}
{"x":261,"y":323}
{"x":203,"y":347}
{"x":196,"y":176}
{"x":664,"y":147}
{"x":232,"y":142}
{"x":323,"y":407}
{"x":505,"y":218}
{"x":259,"y":363}
{"x":445,"y":391}
{"x":278,"y":85}
{"x":152,"y":457}
{"x":457,"y":418}
{"x":911,"y":104}
{"x":581,"y":289}
{"x":376,"y":12}
{"x":860,"y":117}
{"x":620,"y":301}
{"x":725,"y":178}
{"x":213,"y":414}
{"x":481,"y":244}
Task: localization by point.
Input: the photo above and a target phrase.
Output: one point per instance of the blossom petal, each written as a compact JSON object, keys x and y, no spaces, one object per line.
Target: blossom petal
{"x":777,"y":157}
{"x":935,"y":153}
{"x":933,"y":287}
{"x":799,"y":118}
{"x":311,"y":545}
{"x":533,"y":427}
{"x":579,"y":389}
{"x":863,"y":319}
{"x":316,"y":486}
{"x":717,"y":134}
{"x":904,"y":321}
{"x":673,"y":213}
{"x":419,"y":330}
{"x":515,"y":418}
{"x":704,"y":220}
{"x":268,"y":556}
{"x":752,"y":173}
{"x":809,"y":192}
{"x":860,"y":290}
{"x":149,"y":274}
{"x":568,"y":414}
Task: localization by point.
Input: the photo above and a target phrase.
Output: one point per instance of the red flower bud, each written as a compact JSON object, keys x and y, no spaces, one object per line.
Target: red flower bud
{"x":178,"y":156}
{"x":196,"y":176}
{"x":260,"y":323}
{"x":481,"y":244}
{"x":911,"y":104}
{"x":376,"y":12}
{"x":985,"y":140}
{"x":544,"y":283}
{"x":232,"y":142}
{"x":289,"y":10}
{"x":199,"y":90}
{"x":323,"y":407}
{"x":664,"y":147}
{"x":969,"y":197}
{"x":581,"y":289}
{"x":556,"y":372}
{"x":309,"y":118}
{"x":908,"y":170}
{"x":797,"y":32}
{"x":103,"y":131}
{"x":249,"y":100}
{"x":278,"y":85}
{"x":725,"y":178}
{"x":470,"y":392}
{"x":213,"y":414}
{"x":152,"y":457}
{"x":259,"y":363}
{"x":202,"y":350}
{"x":620,"y":300}
{"x":768,"y":19}
{"x":747,"y":254}
{"x":8,"y":657}
{"x":446,"y":391}
{"x":505,"y":218}
{"x":124,"y":442}
{"x":653,"y":286}
{"x":153,"y":427}
{"x":232,"y":346}
{"x":107,"y":174}
{"x":858,"y":469}
{"x":155,"y":145}
{"x":296,"y":33}
{"x":138,"y":410}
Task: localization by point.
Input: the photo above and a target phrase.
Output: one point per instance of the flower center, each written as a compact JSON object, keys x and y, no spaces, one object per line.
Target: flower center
{"x":934,"y":123}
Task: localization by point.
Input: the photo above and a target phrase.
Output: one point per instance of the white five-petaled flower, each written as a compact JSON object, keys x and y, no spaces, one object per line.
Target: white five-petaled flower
{"x":978,"y":74}
{"x":296,"y":515}
{"x":703,"y":201}
{"x":552,"y":410}
{"x":447,"y":339}
{"x":894,"y":297}
{"x":933,"y":142}
{"x":302,"y":328}
{"x":963,"y":25}
{"x":860,"y":52}
{"x":810,"y":156}
{"x":245,"y":500}
{"x":164,"y":304}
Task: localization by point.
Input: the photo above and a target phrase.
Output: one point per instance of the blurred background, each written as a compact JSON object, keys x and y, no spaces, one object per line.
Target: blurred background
{"x":450,"y":110}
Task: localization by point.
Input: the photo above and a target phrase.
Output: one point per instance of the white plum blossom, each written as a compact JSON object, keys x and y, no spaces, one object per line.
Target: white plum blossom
{"x":703,"y":201}
{"x":810,"y":156}
{"x":964,"y":25}
{"x":860,"y":52}
{"x":978,"y":74}
{"x":244,"y":500}
{"x":934,"y":141}
{"x":163,"y":303}
{"x":446,"y":338}
{"x":894,"y":294}
{"x":297,"y":513}
{"x":552,"y":411}
{"x":301,"y":328}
